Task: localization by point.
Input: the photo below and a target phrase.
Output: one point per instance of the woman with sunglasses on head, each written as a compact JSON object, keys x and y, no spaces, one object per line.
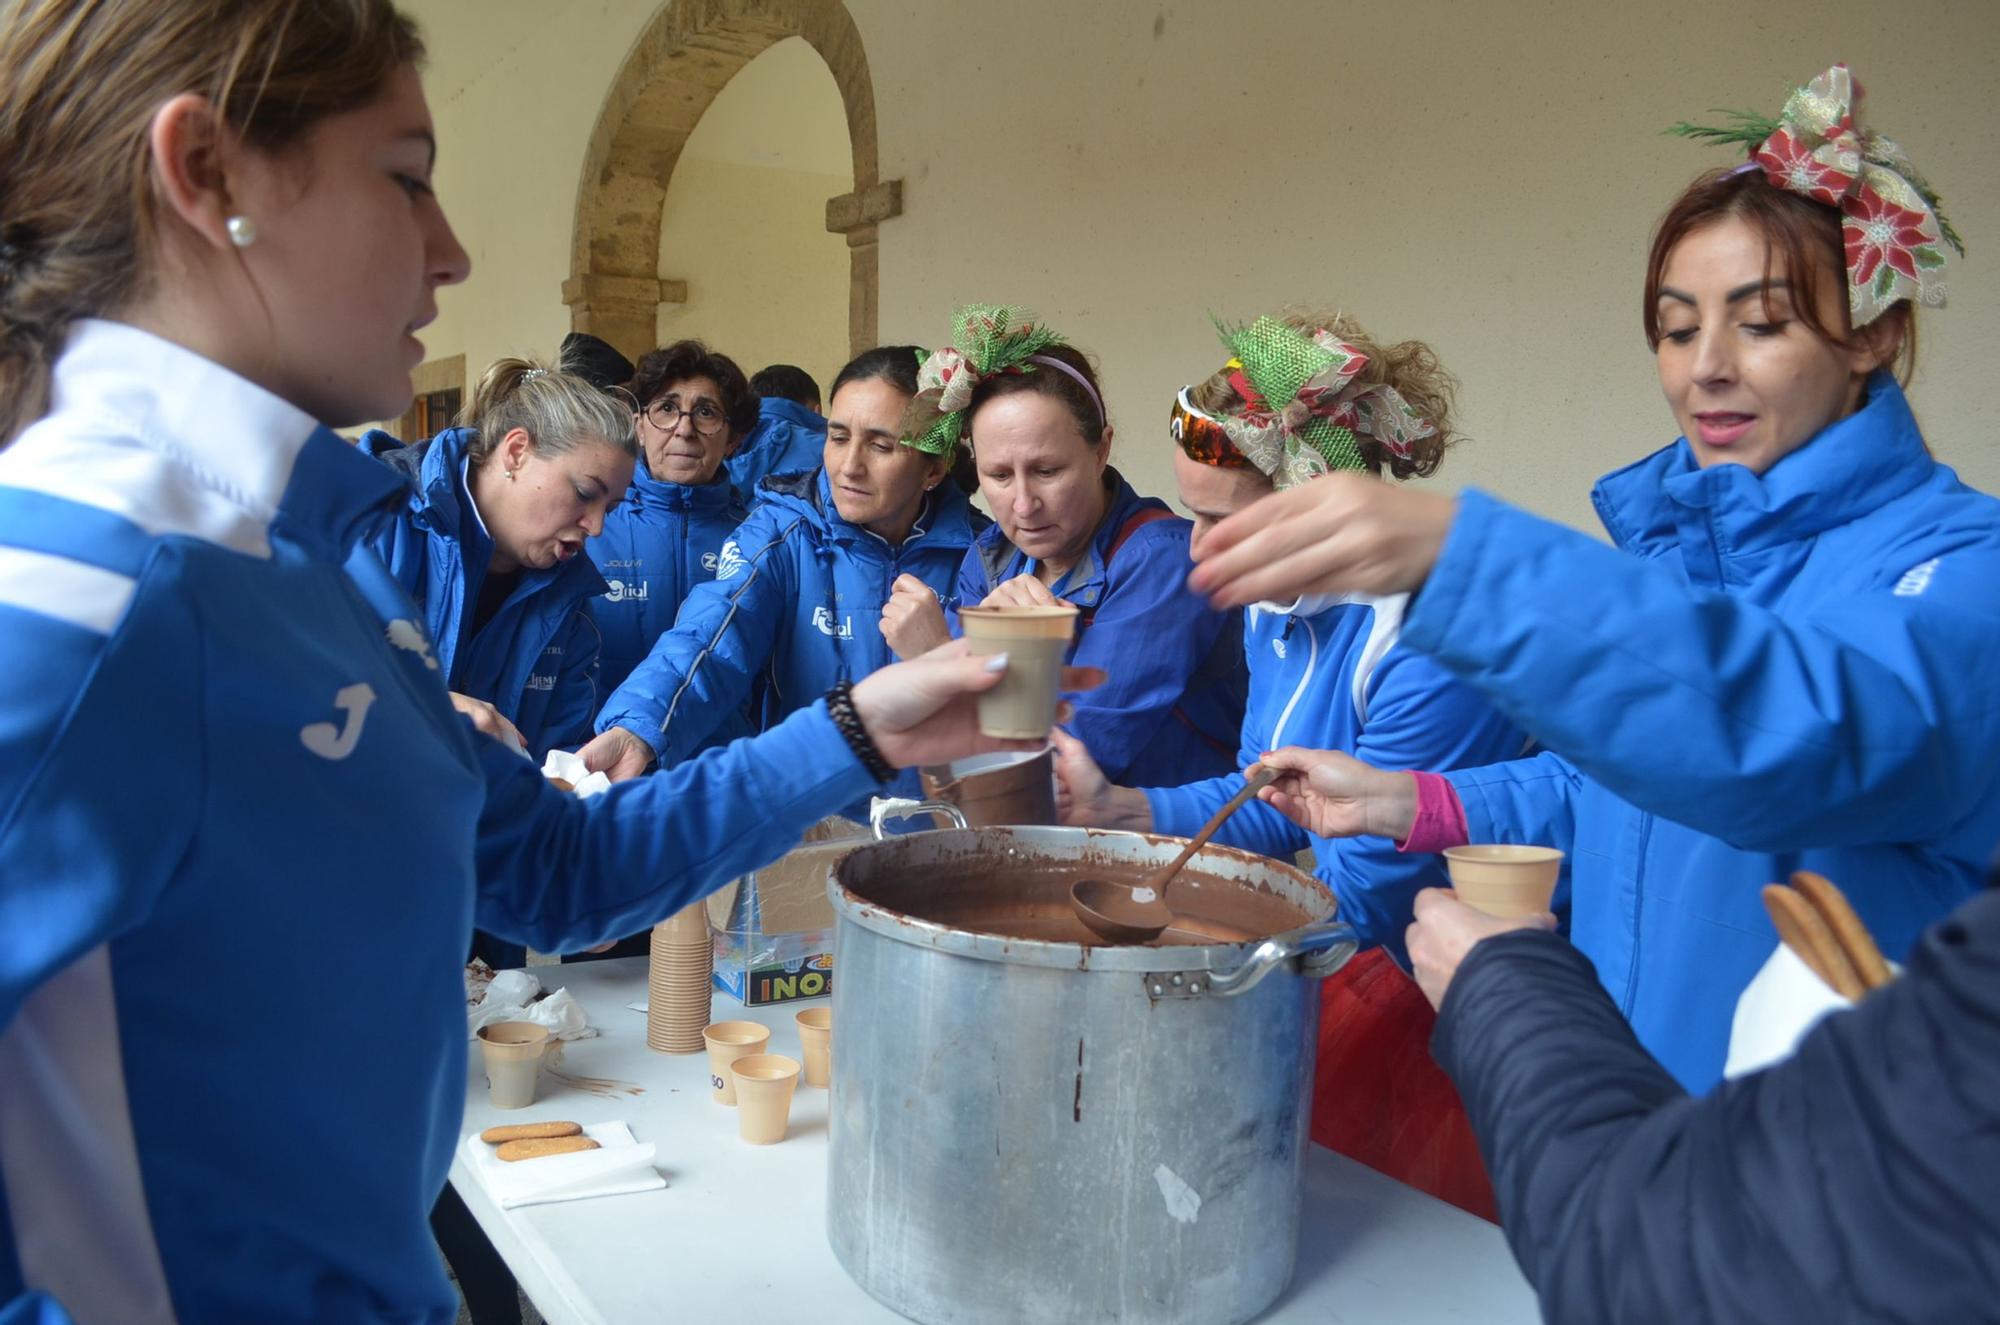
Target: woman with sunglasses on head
{"x":1786,"y":661}
{"x":666,"y":537}
{"x":490,"y":548}
{"x":799,"y":589}
{"x":217,"y":240}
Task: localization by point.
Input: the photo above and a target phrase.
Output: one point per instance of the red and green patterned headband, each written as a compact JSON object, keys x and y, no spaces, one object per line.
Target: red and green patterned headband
{"x":1890,"y":218}
{"x":1302,"y":410}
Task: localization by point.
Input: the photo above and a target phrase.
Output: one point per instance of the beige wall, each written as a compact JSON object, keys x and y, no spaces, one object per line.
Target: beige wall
{"x":1479,"y":175}
{"x":745,"y":220}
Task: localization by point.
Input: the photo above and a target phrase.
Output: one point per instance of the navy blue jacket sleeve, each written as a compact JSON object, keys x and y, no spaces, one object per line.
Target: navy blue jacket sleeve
{"x":1853,"y":1181}
{"x":1150,"y":634}
{"x":562,"y":874}
{"x":1872,"y":721}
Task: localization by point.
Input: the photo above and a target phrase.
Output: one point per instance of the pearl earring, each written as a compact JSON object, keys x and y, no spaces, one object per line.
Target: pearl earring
{"x":510,"y":476}
{"x":242,"y":231}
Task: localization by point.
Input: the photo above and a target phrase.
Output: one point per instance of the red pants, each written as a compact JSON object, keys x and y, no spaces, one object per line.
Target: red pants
{"x":1379,"y":1096}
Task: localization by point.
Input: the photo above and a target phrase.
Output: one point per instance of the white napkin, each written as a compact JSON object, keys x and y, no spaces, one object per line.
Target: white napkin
{"x":620,"y":1165}
{"x":571,"y":769}
{"x":1777,"y":1008}
{"x":508,"y":999}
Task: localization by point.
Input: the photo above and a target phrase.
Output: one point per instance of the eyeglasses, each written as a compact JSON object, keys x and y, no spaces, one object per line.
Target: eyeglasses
{"x":666,"y":413}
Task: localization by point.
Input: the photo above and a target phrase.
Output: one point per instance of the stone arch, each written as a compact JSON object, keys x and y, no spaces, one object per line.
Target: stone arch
{"x":684,"y":57}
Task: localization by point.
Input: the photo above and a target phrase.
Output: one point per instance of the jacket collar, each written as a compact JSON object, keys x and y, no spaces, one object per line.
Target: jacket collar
{"x":256,"y":451}
{"x":1084,"y":583}
{"x":945,"y":521}
{"x":1850,"y":469}
{"x":777,"y":407}
{"x":648,"y":493}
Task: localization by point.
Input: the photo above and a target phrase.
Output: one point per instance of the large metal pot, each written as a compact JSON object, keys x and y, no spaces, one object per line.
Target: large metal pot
{"x":1041,"y":1130}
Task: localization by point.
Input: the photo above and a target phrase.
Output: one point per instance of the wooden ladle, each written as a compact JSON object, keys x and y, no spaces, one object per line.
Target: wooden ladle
{"x":1138,"y":913}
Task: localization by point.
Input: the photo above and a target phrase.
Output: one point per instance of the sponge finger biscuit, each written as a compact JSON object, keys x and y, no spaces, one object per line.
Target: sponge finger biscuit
{"x":544,"y":1145}
{"x":494,"y":1136}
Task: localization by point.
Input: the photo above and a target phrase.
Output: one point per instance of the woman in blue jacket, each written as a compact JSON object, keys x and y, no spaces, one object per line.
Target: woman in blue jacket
{"x":490,"y":545}
{"x":1326,"y":673}
{"x":1067,"y":527}
{"x":217,"y":729}
{"x":798,"y":592}
{"x":1787,"y":660}
{"x":666,"y":536}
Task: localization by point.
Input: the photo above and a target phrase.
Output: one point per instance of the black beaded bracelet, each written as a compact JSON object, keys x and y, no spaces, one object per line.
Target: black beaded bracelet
{"x":840,"y":707}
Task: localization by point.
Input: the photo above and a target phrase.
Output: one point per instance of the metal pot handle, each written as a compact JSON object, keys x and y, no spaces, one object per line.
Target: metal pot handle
{"x":884,"y":808}
{"x":1320,"y":950}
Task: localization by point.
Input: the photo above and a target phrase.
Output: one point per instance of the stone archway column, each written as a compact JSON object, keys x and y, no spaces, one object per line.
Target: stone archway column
{"x":858,"y":216}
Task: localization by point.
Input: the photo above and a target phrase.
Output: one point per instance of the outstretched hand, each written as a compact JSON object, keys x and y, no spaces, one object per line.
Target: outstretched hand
{"x":926,"y":710}
{"x":1336,"y":795}
{"x":1340,"y":533}
{"x":616,"y":753}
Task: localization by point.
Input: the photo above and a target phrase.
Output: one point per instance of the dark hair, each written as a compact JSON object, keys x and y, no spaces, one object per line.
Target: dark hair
{"x":594,"y":359}
{"x":894,"y":364}
{"x":1053,"y":383}
{"x":79,"y":82}
{"x":661,"y":368}
{"x":786,"y":382}
{"x":1803,"y":246}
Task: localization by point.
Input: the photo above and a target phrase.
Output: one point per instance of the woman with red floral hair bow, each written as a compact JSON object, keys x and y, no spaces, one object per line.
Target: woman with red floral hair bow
{"x":1785,"y":663}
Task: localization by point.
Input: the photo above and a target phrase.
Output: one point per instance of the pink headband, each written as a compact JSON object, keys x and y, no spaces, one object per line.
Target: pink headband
{"x":1078,"y":378}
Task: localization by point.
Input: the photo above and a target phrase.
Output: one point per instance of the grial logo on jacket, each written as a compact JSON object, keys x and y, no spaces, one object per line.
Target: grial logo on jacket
{"x":1278,"y":647}
{"x":823,"y":622}
{"x":708,"y":562}
{"x":621,"y":592}
{"x":730,"y":561}
{"x":1916,"y":579}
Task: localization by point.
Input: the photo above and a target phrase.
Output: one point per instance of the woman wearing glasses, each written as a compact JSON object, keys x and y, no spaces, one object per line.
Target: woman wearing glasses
{"x":797,"y":598}
{"x":664,"y":538}
{"x":490,"y":546}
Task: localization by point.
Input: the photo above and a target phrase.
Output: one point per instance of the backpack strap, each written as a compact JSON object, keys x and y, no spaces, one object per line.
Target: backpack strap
{"x":1134,"y":522}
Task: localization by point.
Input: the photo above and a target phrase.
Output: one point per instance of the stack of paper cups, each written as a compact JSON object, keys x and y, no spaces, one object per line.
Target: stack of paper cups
{"x":677,"y":982}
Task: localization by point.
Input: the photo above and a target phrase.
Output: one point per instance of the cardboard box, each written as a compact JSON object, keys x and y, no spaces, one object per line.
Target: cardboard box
{"x":775,"y":944}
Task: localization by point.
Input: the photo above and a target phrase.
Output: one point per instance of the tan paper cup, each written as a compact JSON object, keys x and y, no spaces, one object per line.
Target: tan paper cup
{"x":677,"y":981}
{"x":1035,"y":639}
{"x":764,"y":1086}
{"x":1504,"y":881}
{"x":513,"y":1053}
{"x":727,"y":1042}
{"x":816,"y":1038}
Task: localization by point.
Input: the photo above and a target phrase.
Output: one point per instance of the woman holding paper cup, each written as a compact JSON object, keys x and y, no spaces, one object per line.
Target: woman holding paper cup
{"x":490,"y":546}
{"x":799,"y":587}
{"x":220,"y":728}
{"x":1785,"y":661}
{"x":1070,"y":535}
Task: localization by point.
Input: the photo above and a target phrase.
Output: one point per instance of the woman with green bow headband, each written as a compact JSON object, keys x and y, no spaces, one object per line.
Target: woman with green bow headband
{"x":1068,"y":527}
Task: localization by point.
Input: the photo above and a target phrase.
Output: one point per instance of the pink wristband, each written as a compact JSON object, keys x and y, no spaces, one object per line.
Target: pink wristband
{"x":1440,"y":820}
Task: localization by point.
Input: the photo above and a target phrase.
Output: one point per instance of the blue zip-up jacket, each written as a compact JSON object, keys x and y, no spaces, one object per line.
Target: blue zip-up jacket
{"x":218,"y":741}
{"x":536,"y":660}
{"x":1799,"y":670}
{"x":1173,"y":704}
{"x":794,"y":608}
{"x":788,"y":439}
{"x":1328,"y":675}
{"x":657,"y":545}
